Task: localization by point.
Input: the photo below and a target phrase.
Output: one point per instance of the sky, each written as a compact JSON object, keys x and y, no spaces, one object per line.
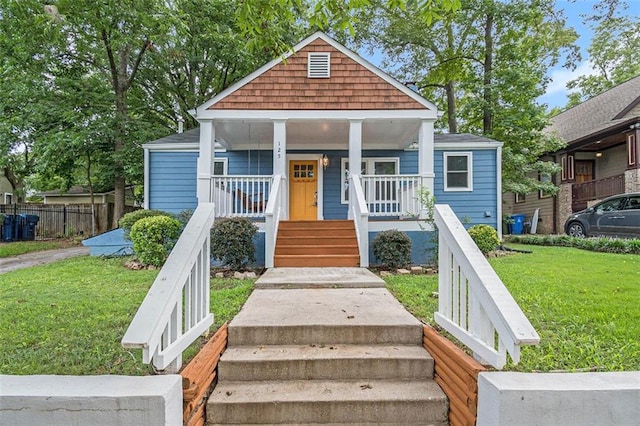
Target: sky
{"x":556,"y":95}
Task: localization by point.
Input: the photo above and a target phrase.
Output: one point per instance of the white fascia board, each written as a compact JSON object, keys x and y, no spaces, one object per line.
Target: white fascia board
{"x":444,"y":146}
{"x":177,"y":147}
{"x":198,"y":112}
{"x":267,"y":115}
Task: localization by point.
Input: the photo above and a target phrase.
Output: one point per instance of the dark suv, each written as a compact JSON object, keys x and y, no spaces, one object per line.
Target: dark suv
{"x":617,"y":216}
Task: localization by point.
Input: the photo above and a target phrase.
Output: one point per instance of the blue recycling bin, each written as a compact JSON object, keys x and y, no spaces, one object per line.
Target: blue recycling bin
{"x":9,"y":228}
{"x":28,"y":226}
{"x":518,"y":224}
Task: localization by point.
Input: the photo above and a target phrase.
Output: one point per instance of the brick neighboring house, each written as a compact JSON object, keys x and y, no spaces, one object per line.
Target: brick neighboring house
{"x":602,"y":157}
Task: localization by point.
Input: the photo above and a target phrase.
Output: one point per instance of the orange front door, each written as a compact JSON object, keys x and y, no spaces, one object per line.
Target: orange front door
{"x":303,"y":190}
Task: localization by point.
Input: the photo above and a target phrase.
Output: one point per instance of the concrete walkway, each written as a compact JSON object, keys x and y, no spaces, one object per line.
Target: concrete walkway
{"x":280,"y":278}
{"x":325,"y":346}
{"x":28,"y":260}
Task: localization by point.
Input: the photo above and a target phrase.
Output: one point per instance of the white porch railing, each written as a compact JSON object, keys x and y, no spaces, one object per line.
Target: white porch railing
{"x":392,"y":195}
{"x":474,"y":304}
{"x":176,"y":309}
{"x":240,"y":196}
{"x":272,"y":219}
{"x":360,"y":214}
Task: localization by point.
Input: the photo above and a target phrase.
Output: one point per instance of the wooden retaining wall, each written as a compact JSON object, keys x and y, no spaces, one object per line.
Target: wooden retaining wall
{"x":199,"y":375}
{"x":457,"y":374}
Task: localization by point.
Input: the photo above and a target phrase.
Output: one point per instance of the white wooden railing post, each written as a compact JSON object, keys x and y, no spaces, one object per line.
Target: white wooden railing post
{"x":474,"y":305}
{"x":272,"y":219}
{"x":360,"y":214}
{"x":176,"y":309}
{"x":392,"y":195}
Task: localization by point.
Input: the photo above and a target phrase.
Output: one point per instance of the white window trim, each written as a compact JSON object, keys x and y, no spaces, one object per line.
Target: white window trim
{"x":7,"y":195}
{"x":225,"y":165}
{"x":369,"y":170}
{"x":317,"y":74}
{"x":469,"y":156}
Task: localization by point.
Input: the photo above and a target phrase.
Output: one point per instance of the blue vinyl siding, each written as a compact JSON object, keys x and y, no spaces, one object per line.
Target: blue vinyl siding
{"x":172,"y":181}
{"x":483,"y":198}
{"x":172,"y":175}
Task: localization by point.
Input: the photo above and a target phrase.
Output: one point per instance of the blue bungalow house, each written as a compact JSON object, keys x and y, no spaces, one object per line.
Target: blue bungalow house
{"x":278,"y":146}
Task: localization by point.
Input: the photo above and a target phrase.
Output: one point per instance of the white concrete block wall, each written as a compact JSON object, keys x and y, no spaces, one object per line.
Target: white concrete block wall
{"x":558,"y":398}
{"x":91,"y":400}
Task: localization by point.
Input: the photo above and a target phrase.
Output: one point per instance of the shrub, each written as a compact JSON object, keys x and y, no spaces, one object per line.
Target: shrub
{"x":602,"y":244}
{"x":392,"y":248}
{"x":232,"y":242}
{"x":153,"y":237}
{"x":127,"y":221}
{"x":485,"y":237}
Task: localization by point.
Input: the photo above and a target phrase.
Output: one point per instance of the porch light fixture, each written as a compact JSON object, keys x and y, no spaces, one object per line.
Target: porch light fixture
{"x":598,"y":154}
{"x":325,"y":161}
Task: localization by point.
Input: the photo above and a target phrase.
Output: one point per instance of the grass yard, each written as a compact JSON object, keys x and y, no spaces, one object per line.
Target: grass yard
{"x":584,"y":305}
{"x":68,"y":317}
{"x":21,"y":247}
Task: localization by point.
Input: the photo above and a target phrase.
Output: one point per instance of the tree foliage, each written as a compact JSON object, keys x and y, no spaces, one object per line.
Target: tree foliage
{"x":614,"y":55}
{"x":485,"y":65}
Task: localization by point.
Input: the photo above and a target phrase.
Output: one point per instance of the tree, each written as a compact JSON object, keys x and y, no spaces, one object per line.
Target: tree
{"x":484,"y":65}
{"x":614,"y":55}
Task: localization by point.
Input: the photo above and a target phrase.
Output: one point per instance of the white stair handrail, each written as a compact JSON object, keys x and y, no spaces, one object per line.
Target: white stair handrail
{"x":161,"y":327}
{"x":272,"y":219}
{"x":474,"y":304}
{"x":360,"y":214}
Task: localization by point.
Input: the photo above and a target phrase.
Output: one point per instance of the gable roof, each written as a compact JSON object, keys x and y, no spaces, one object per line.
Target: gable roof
{"x":598,"y":113}
{"x":282,"y":84}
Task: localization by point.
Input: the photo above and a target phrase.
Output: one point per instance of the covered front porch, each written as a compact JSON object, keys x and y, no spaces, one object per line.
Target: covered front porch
{"x":304,"y":161}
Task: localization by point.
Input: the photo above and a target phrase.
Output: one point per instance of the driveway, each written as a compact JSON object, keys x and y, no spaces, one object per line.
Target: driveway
{"x":28,"y":260}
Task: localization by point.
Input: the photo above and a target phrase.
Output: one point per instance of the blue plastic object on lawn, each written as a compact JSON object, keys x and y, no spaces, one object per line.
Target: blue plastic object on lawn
{"x":518,"y":224}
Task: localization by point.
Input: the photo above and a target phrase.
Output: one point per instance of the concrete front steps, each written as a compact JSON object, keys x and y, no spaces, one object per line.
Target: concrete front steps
{"x":316,"y":243}
{"x":325,"y":356}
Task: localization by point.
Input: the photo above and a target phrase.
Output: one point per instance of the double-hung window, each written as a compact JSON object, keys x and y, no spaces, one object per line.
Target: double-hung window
{"x":372,"y":166}
{"x":458,"y":171}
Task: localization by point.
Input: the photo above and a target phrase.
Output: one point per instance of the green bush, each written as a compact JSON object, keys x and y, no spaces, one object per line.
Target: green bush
{"x":601,"y":244}
{"x":485,"y":237}
{"x":392,"y":248}
{"x":126,"y":222}
{"x":154,"y":237}
{"x":232,"y":242}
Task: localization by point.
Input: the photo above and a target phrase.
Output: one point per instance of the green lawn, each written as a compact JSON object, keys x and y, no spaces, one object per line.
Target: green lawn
{"x":21,"y":247}
{"x":69,"y":317}
{"x":584,"y":305}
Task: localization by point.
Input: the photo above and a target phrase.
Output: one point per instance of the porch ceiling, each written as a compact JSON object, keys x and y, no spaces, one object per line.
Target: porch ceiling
{"x":321,"y":134}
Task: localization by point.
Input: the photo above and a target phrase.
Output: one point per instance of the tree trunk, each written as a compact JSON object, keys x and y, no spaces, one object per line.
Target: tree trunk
{"x":487,"y":113}
{"x":451,"y":107}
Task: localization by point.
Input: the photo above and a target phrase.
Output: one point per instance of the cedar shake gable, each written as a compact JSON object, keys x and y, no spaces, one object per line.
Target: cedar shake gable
{"x":352,"y":85}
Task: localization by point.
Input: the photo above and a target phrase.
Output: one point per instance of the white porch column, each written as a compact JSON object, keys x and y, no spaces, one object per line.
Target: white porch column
{"x":426,"y":155}
{"x":355,"y":155}
{"x":280,"y":161}
{"x":205,"y":161}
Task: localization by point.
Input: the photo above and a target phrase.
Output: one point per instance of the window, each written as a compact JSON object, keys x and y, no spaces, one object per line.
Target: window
{"x":631,"y":150}
{"x":633,"y":203}
{"x":458,"y":171}
{"x":220,"y":166}
{"x":567,"y":163}
{"x":544,"y":178}
{"x":370,"y":166}
{"x":520,"y":198}
{"x":318,"y":65}
{"x":8,"y":198}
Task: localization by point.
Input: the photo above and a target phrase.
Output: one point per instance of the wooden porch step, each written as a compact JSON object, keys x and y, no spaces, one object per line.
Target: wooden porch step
{"x":315,"y":224}
{"x":299,"y":249}
{"x":315,"y":260}
{"x":315,"y":243}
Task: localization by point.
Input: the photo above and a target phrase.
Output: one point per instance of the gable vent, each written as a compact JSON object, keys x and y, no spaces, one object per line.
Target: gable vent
{"x":318,"y":66}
